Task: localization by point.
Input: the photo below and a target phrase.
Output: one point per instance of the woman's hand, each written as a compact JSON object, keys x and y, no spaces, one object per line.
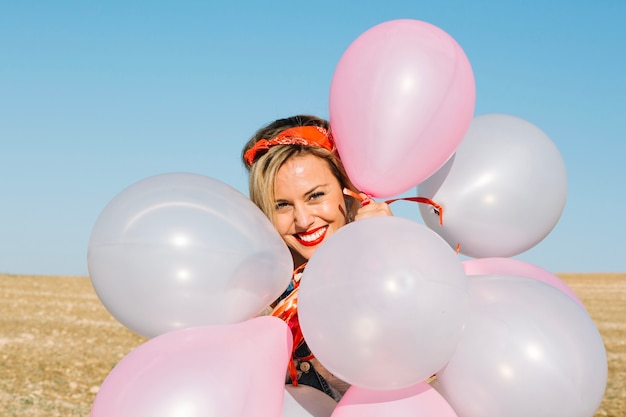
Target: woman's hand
{"x":371,"y":208}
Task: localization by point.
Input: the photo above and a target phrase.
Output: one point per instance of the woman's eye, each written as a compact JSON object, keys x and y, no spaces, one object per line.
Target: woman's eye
{"x":317,"y":194}
{"x":281,"y":205}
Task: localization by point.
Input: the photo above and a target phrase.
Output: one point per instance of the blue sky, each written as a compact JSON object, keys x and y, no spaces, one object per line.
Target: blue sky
{"x":96,"y":95}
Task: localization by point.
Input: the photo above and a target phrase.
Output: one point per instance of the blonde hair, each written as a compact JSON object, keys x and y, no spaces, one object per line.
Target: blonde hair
{"x":262,"y":172}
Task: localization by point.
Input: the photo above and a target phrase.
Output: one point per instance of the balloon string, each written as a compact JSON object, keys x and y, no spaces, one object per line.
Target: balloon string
{"x":364,"y":200}
{"x":438,"y":208}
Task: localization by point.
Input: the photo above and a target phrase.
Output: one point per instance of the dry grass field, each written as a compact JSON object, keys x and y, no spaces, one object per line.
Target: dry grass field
{"x":58,"y":342}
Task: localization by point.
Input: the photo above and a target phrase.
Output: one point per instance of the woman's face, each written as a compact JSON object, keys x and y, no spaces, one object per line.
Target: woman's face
{"x":310,"y":205}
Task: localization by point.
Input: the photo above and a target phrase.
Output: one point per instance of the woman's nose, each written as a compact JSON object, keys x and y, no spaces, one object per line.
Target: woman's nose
{"x":303,"y":217}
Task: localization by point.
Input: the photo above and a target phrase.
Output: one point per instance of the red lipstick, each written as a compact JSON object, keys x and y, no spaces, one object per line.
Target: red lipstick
{"x":312,"y":237}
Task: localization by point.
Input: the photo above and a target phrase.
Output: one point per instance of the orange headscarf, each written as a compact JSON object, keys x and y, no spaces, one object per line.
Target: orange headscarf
{"x":301,"y":135}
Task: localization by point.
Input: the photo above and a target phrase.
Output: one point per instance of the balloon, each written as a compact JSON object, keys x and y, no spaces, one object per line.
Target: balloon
{"x":306,"y":401}
{"x":402,"y":97}
{"x":225,"y":370}
{"x":509,"y":266}
{"x":382,"y":303}
{"x":184,"y":250}
{"x":502,"y":192}
{"x":528,"y":350}
{"x":416,"y":400}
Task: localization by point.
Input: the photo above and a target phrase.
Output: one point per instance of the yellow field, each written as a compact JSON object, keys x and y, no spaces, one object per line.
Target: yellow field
{"x":58,"y":342}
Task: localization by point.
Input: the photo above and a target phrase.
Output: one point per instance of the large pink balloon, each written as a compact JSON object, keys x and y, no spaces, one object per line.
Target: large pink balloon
{"x":510,"y":266}
{"x":528,"y":350}
{"x":401,"y":98}
{"x":229,"y":370}
{"x":417,"y":400}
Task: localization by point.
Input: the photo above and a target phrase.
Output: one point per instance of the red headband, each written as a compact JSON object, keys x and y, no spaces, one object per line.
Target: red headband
{"x":301,"y":135}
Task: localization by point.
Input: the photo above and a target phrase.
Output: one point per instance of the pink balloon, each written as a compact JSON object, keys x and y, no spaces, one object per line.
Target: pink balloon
{"x":509,"y":266}
{"x":401,"y":99}
{"x":226,"y":370}
{"x":417,"y":400}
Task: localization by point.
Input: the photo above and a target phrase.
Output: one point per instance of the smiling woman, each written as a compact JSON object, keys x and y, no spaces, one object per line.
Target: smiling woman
{"x":298,"y":180}
{"x":310,"y":203}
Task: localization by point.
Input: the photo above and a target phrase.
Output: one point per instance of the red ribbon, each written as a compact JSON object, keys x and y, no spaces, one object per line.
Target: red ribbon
{"x":438,"y":208}
{"x":287,"y":310}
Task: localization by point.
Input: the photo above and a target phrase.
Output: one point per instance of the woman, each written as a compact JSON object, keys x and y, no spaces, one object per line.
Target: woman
{"x":298,"y":181}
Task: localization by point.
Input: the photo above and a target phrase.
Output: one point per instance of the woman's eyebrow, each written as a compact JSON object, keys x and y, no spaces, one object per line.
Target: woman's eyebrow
{"x":312,"y":190}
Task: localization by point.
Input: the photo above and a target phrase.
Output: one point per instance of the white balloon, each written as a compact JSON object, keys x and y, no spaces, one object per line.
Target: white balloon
{"x":502,"y":192}
{"x":184,"y":250}
{"x":528,"y":350}
{"x":306,"y":401}
{"x":382,"y":303}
